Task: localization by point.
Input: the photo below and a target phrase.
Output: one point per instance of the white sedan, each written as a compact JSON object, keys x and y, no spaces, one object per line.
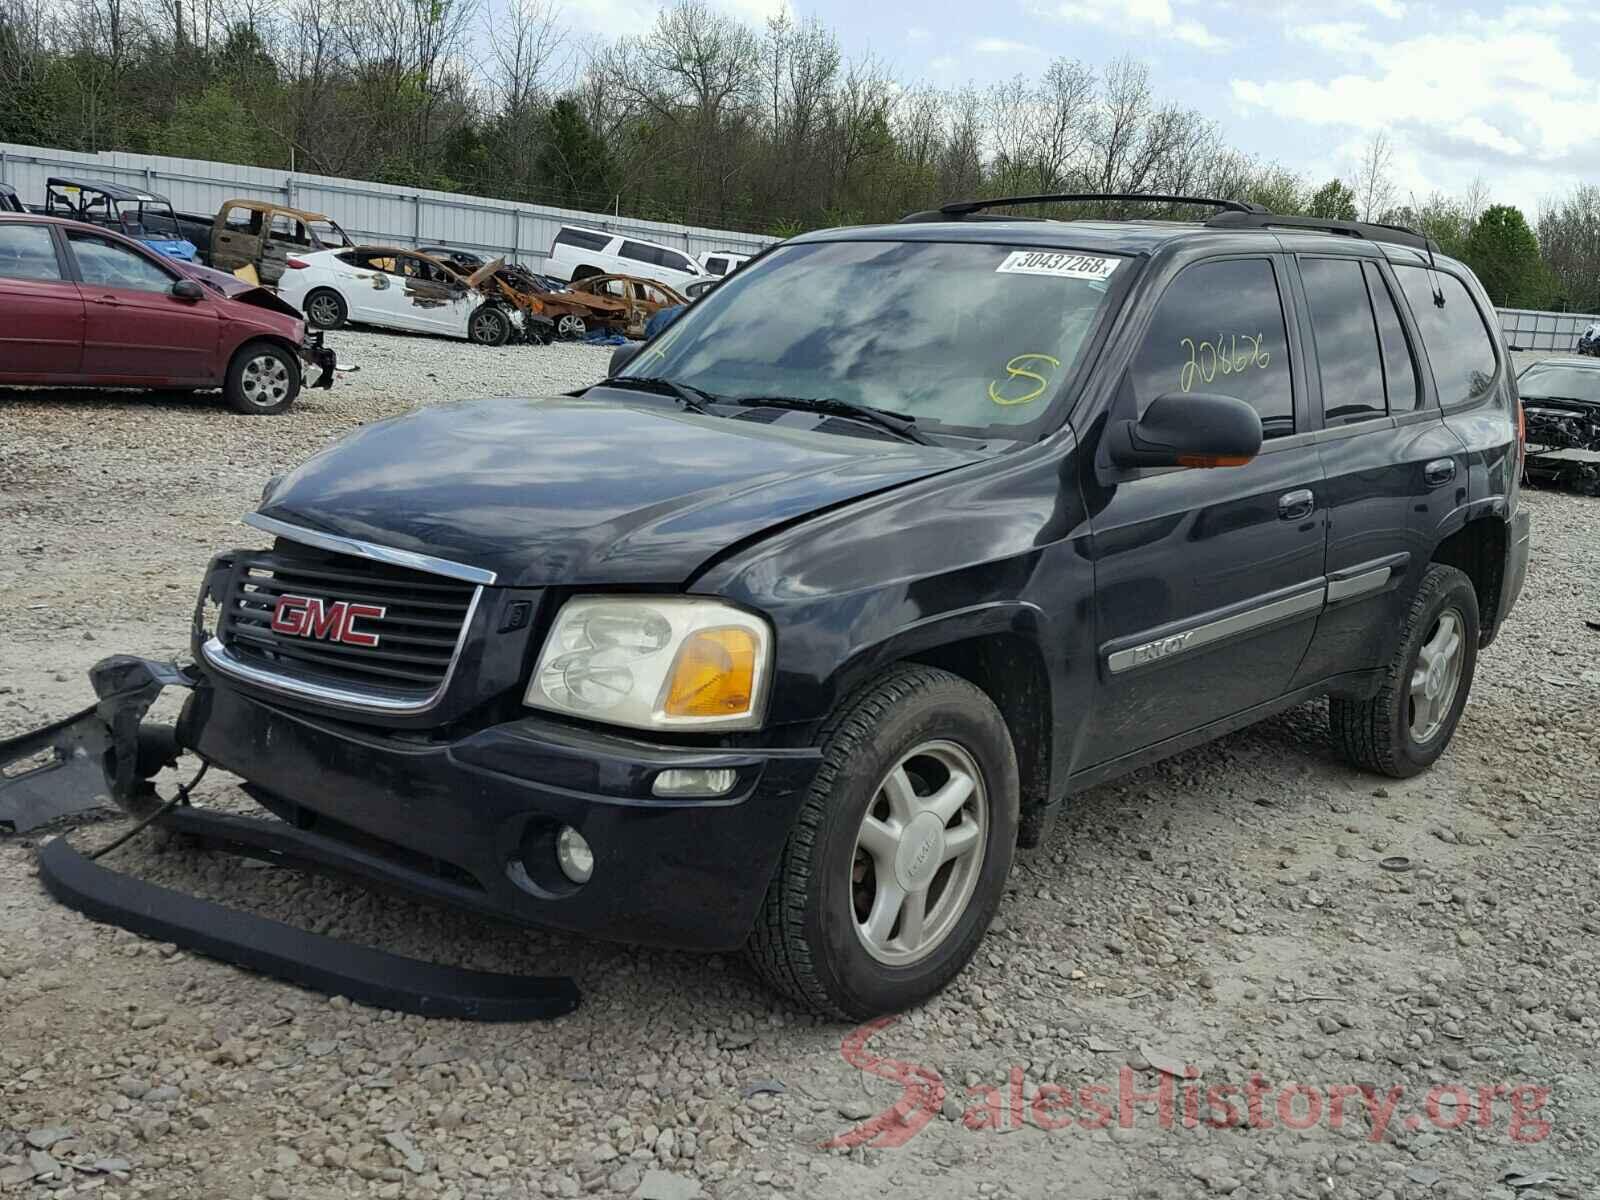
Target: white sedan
{"x":397,"y":289}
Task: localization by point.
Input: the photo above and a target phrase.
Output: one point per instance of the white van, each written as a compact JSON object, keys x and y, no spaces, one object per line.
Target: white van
{"x":578,"y":253}
{"x":723,"y":262}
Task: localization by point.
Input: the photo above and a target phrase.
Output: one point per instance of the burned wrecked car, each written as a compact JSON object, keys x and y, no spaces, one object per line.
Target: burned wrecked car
{"x":264,"y":236}
{"x":1561,"y":403}
{"x":786,"y":634}
{"x":397,"y":288}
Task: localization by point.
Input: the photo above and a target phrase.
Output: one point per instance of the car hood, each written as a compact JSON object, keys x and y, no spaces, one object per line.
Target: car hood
{"x":570,"y":491}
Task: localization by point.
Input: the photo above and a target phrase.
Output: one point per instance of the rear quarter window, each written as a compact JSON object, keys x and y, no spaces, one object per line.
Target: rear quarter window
{"x":1455,"y":336}
{"x":582,"y":239}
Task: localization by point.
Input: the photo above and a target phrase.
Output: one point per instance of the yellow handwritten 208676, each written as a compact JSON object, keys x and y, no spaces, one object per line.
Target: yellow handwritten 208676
{"x":1224,"y":356}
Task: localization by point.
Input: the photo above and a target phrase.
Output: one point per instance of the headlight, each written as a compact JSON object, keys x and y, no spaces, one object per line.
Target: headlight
{"x":667,"y":663}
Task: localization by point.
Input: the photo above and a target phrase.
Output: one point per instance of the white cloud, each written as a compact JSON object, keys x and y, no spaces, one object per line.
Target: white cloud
{"x":1136,"y":17}
{"x":1506,"y":84}
{"x":1393,"y":9}
{"x":1335,"y":37}
{"x":994,"y":45}
{"x":918,"y":34}
{"x":942,"y":64}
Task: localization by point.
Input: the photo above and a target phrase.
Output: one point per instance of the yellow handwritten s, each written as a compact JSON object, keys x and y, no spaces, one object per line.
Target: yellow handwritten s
{"x":1015,"y":371}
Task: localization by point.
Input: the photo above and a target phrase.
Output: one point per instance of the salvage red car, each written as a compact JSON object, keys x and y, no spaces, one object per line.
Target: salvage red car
{"x":86,"y":307}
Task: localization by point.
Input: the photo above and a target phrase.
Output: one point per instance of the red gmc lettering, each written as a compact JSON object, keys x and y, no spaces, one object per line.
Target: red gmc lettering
{"x":313,"y":617}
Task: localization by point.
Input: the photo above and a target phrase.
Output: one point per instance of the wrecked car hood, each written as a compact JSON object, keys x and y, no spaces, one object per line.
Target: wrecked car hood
{"x":566,"y":491}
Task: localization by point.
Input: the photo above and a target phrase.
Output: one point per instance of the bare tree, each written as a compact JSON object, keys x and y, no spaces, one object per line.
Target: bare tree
{"x":1372,"y":183}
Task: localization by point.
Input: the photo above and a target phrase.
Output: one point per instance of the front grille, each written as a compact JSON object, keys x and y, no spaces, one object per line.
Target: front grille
{"x":423,"y":622}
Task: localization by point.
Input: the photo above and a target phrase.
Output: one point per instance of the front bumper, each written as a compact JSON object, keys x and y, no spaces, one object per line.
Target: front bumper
{"x":473,"y":819}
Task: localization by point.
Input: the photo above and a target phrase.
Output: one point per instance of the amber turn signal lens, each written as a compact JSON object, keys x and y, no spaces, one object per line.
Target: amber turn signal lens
{"x":714,"y":675}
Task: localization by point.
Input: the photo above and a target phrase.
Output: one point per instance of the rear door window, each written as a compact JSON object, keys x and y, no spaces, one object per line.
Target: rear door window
{"x":640,"y":252}
{"x":1455,"y":336}
{"x":28,"y":252}
{"x":1349,"y":359}
{"x":1219,"y":328}
{"x":1399,"y":369}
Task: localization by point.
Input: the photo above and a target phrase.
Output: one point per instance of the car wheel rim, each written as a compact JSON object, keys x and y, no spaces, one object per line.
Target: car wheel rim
{"x":324,"y":311}
{"x":1436,"y":677}
{"x":489,"y":327}
{"x":265,"y":381}
{"x":571,"y":326}
{"x":918,"y":853}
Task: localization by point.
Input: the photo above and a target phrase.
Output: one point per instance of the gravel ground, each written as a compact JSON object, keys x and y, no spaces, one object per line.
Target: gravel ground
{"x":1221,"y":913}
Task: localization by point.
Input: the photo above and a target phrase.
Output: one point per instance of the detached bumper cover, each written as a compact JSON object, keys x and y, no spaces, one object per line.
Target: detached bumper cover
{"x":473,"y":820}
{"x":338,"y":968}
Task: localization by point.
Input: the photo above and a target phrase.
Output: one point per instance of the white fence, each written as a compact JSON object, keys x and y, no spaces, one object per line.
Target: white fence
{"x":369,"y":212}
{"x":1527,"y":329}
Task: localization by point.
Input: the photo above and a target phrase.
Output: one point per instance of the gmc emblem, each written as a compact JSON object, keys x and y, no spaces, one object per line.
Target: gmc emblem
{"x":313,"y":617}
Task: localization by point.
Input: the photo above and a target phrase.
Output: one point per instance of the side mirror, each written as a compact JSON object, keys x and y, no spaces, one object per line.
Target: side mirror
{"x":622,"y":356}
{"x":187,"y":289}
{"x":1194,"y":430}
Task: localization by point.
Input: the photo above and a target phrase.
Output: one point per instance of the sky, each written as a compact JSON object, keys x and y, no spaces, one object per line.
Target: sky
{"x":1506,"y":92}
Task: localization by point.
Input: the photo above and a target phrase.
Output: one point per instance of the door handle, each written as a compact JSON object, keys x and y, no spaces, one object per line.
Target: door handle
{"x":1439,"y":472}
{"x":108,"y":298}
{"x":1292,"y":506}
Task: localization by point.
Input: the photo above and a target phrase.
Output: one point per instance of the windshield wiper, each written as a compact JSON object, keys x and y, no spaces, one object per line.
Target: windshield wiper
{"x":692,"y":398}
{"x":900,"y":424}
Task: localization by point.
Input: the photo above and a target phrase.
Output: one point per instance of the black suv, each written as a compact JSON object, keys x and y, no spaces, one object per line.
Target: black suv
{"x":788,"y":633}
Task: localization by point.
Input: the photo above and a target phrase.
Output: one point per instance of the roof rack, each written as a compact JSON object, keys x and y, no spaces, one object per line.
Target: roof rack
{"x":1372,"y":231}
{"x":957,"y":209}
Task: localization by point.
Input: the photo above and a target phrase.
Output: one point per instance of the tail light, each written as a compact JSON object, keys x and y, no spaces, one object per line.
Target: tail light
{"x":296,"y":264}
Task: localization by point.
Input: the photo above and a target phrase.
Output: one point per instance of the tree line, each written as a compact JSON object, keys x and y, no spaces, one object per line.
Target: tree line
{"x":704,"y":119}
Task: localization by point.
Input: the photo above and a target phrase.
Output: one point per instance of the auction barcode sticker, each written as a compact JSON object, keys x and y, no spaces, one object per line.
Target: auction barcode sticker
{"x":1062,"y":266}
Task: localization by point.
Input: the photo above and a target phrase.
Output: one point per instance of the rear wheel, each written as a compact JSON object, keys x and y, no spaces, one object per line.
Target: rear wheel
{"x":489,"y":326}
{"x":585,"y":273}
{"x":325,"y":309}
{"x":898,"y":859}
{"x":1404,"y":729}
{"x":263,"y":379}
{"x":571,"y":326}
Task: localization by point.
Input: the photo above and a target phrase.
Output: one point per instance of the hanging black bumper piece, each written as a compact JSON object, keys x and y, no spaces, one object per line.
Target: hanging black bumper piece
{"x":310,"y":960}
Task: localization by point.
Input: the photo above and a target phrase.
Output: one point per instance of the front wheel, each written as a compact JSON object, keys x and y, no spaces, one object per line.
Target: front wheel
{"x":571,"y":326}
{"x":489,"y":326}
{"x":263,"y":380}
{"x":1404,"y":729}
{"x":898,"y":860}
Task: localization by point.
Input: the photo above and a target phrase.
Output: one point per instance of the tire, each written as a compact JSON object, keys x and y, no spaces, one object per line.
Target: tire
{"x":580,"y":273}
{"x":263,"y":380}
{"x":1404,"y":729}
{"x":325,"y":309}
{"x":811,"y":939}
{"x":489,"y":326}
{"x":572,"y":326}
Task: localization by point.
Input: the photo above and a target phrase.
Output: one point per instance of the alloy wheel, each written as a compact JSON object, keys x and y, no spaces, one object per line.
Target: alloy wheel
{"x":919,"y":853}
{"x":1436,"y":677}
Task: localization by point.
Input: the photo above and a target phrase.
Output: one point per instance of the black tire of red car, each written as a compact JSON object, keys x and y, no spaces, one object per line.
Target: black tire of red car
{"x":811,"y":938}
{"x":263,"y":379}
{"x":1404,"y":729}
{"x":325,"y":309}
{"x":489,"y":326}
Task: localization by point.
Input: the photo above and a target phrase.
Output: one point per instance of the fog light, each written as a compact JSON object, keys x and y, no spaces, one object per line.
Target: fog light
{"x":573,"y":855}
{"x":697,"y":781}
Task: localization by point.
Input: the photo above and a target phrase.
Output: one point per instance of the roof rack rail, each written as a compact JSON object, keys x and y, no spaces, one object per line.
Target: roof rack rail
{"x":965,"y":208}
{"x":1373,"y":231}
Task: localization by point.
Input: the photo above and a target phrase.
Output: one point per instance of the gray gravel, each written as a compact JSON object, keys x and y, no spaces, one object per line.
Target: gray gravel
{"x":1223,"y":911}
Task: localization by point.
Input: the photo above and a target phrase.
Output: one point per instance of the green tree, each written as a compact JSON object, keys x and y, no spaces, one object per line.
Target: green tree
{"x":573,"y":161}
{"x":1504,"y":253}
{"x":1333,"y":201}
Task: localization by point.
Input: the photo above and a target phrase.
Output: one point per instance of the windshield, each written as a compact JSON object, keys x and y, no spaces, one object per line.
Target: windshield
{"x":1571,"y":383}
{"x":975,"y":337}
{"x":156,"y":220}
